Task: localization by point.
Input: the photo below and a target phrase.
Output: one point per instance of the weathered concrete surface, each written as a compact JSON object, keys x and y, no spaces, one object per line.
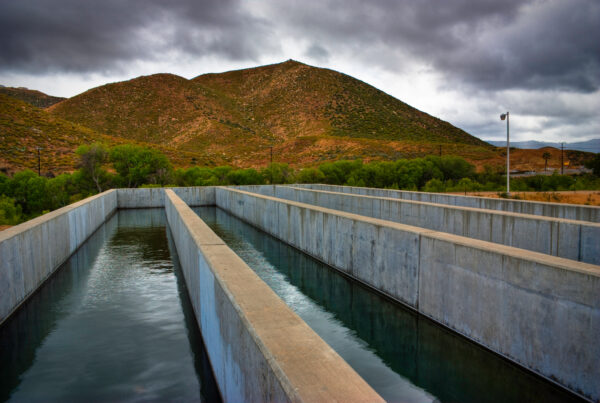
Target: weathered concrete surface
{"x":155,"y":197}
{"x":559,"y":210}
{"x":570,"y":239}
{"x":260,"y":350}
{"x":32,"y":251}
{"x":538,"y":310}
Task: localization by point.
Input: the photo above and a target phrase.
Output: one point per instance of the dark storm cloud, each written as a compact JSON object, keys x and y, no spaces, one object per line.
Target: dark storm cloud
{"x":93,"y":36}
{"x":489,"y":44}
{"x":317,"y":52}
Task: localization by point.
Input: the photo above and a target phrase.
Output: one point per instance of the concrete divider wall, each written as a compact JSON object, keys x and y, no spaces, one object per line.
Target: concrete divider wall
{"x":537,"y":310}
{"x":32,"y":251}
{"x":576,"y":240}
{"x":568,"y":211}
{"x":259,"y":349}
{"x":155,"y":197}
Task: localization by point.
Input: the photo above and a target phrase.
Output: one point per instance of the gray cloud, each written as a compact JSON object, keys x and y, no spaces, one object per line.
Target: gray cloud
{"x":317,"y":52}
{"x":538,"y":58}
{"x":488,"y":44}
{"x":74,"y":36}
{"x":534,"y":44}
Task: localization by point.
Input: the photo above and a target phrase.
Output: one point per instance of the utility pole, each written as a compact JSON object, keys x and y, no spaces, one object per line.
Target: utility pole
{"x":271,"y":166}
{"x":502,"y":117}
{"x":39,"y":161}
{"x":562,"y":160}
{"x":440,"y":150}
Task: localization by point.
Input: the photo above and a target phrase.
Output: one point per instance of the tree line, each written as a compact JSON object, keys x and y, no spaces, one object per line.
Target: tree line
{"x":26,"y":195}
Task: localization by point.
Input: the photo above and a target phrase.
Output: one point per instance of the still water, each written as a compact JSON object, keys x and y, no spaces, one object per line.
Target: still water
{"x":402,"y":355}
{"x":113,"y":324}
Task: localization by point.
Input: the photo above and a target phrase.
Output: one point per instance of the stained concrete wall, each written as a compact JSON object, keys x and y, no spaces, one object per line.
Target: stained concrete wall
{"x":32,"y":251}
{"x":259,"y":349}
{"x":155,"y":197}
{"x":540,"y":311}
{"x":570,"y":239}
{"x":568,"y":211}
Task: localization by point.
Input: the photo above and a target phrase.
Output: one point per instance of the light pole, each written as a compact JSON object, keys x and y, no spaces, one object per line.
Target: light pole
{"x":502,"y":117}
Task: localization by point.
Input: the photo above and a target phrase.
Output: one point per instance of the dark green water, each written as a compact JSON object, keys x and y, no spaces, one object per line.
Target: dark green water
{"x":114,"y":324}
{"x":402,"y":355}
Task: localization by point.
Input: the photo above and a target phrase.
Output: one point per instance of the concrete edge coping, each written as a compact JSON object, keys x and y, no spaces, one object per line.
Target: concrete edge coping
{"x":468,"y":196}
{"x":27,"y":225}
{"x":454,"y":207}
{"x":307,"y":367}
{"x":536,"y":257}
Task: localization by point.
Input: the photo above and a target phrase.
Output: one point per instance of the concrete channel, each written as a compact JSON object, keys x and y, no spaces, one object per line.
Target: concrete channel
{"x":570,"y":239}
{"x":558,"y":210}
{"x":538,"y":310}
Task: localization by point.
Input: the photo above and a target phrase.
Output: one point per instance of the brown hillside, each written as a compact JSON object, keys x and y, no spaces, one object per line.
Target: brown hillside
{"x":294,"y":99}
{"x":33,"y":97}
{"x":308,"y":114}
{"x":24,"y":127}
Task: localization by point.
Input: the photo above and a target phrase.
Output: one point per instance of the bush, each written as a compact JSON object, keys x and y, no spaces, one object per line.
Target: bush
{"x":435,"y":186}
{"x":10,"y":214}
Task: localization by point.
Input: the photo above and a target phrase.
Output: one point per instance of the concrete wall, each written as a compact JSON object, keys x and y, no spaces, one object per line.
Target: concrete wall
{"x":568,"y":211}
{"x":259,"y":349}
{"x":155,"y":197}
{"x":540,"y":311}
{"x":32,"y":251}
{"x":576,"y":240}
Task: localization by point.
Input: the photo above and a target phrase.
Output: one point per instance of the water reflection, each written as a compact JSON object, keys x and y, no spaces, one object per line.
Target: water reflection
{"x":109,"y":326}
{"x":404,"y":356}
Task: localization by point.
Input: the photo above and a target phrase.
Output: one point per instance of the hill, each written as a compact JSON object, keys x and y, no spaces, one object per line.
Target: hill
{"x":307,"y":114}
{"x":33,"y":97}
{"x":294,"y":99}
{"x":23,"y":128}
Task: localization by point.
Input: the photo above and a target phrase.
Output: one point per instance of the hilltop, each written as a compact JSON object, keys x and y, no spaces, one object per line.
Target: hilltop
{"x":307,"y":114}
{"x":33,"y":97}
{"x":23,"y":128}
{"x":293,"y":99}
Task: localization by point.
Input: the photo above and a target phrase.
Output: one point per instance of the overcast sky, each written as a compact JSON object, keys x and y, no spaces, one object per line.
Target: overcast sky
{"x":465,"y":61}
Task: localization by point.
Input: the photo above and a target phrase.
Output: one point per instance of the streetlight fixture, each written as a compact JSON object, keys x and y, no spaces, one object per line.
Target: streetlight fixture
{"x":503,"y":117}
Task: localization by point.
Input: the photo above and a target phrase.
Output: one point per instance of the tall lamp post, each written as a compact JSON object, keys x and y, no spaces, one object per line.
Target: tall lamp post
{"x":502,"y":117}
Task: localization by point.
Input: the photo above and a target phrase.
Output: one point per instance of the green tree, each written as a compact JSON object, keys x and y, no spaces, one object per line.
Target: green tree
{"x":222,"y":174}
{"x":136,"y":165}
{"x":60,"y":189}
{"x":435,"y":186}
{"x":594,"y":164}
{"x":10,"y":214}
{"x":310,"y":175}
{"x":455,"y":168}
{"x":245,"y":177}
{"x":29,"y":191}
{"x":338,"y":173}
{"x":278,"y":173}
{"x":91,"y":161}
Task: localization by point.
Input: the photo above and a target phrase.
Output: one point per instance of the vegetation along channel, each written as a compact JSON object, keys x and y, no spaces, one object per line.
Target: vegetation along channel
{"x":402,"y":355}
{"x":113,"y":324}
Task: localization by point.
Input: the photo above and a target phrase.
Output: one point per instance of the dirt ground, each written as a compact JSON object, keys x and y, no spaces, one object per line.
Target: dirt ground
{"x":587,"y":197}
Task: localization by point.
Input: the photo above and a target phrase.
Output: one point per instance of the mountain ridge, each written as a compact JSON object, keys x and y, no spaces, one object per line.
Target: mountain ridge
{"x":33,"y":97}
{"x":307,"y":114}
